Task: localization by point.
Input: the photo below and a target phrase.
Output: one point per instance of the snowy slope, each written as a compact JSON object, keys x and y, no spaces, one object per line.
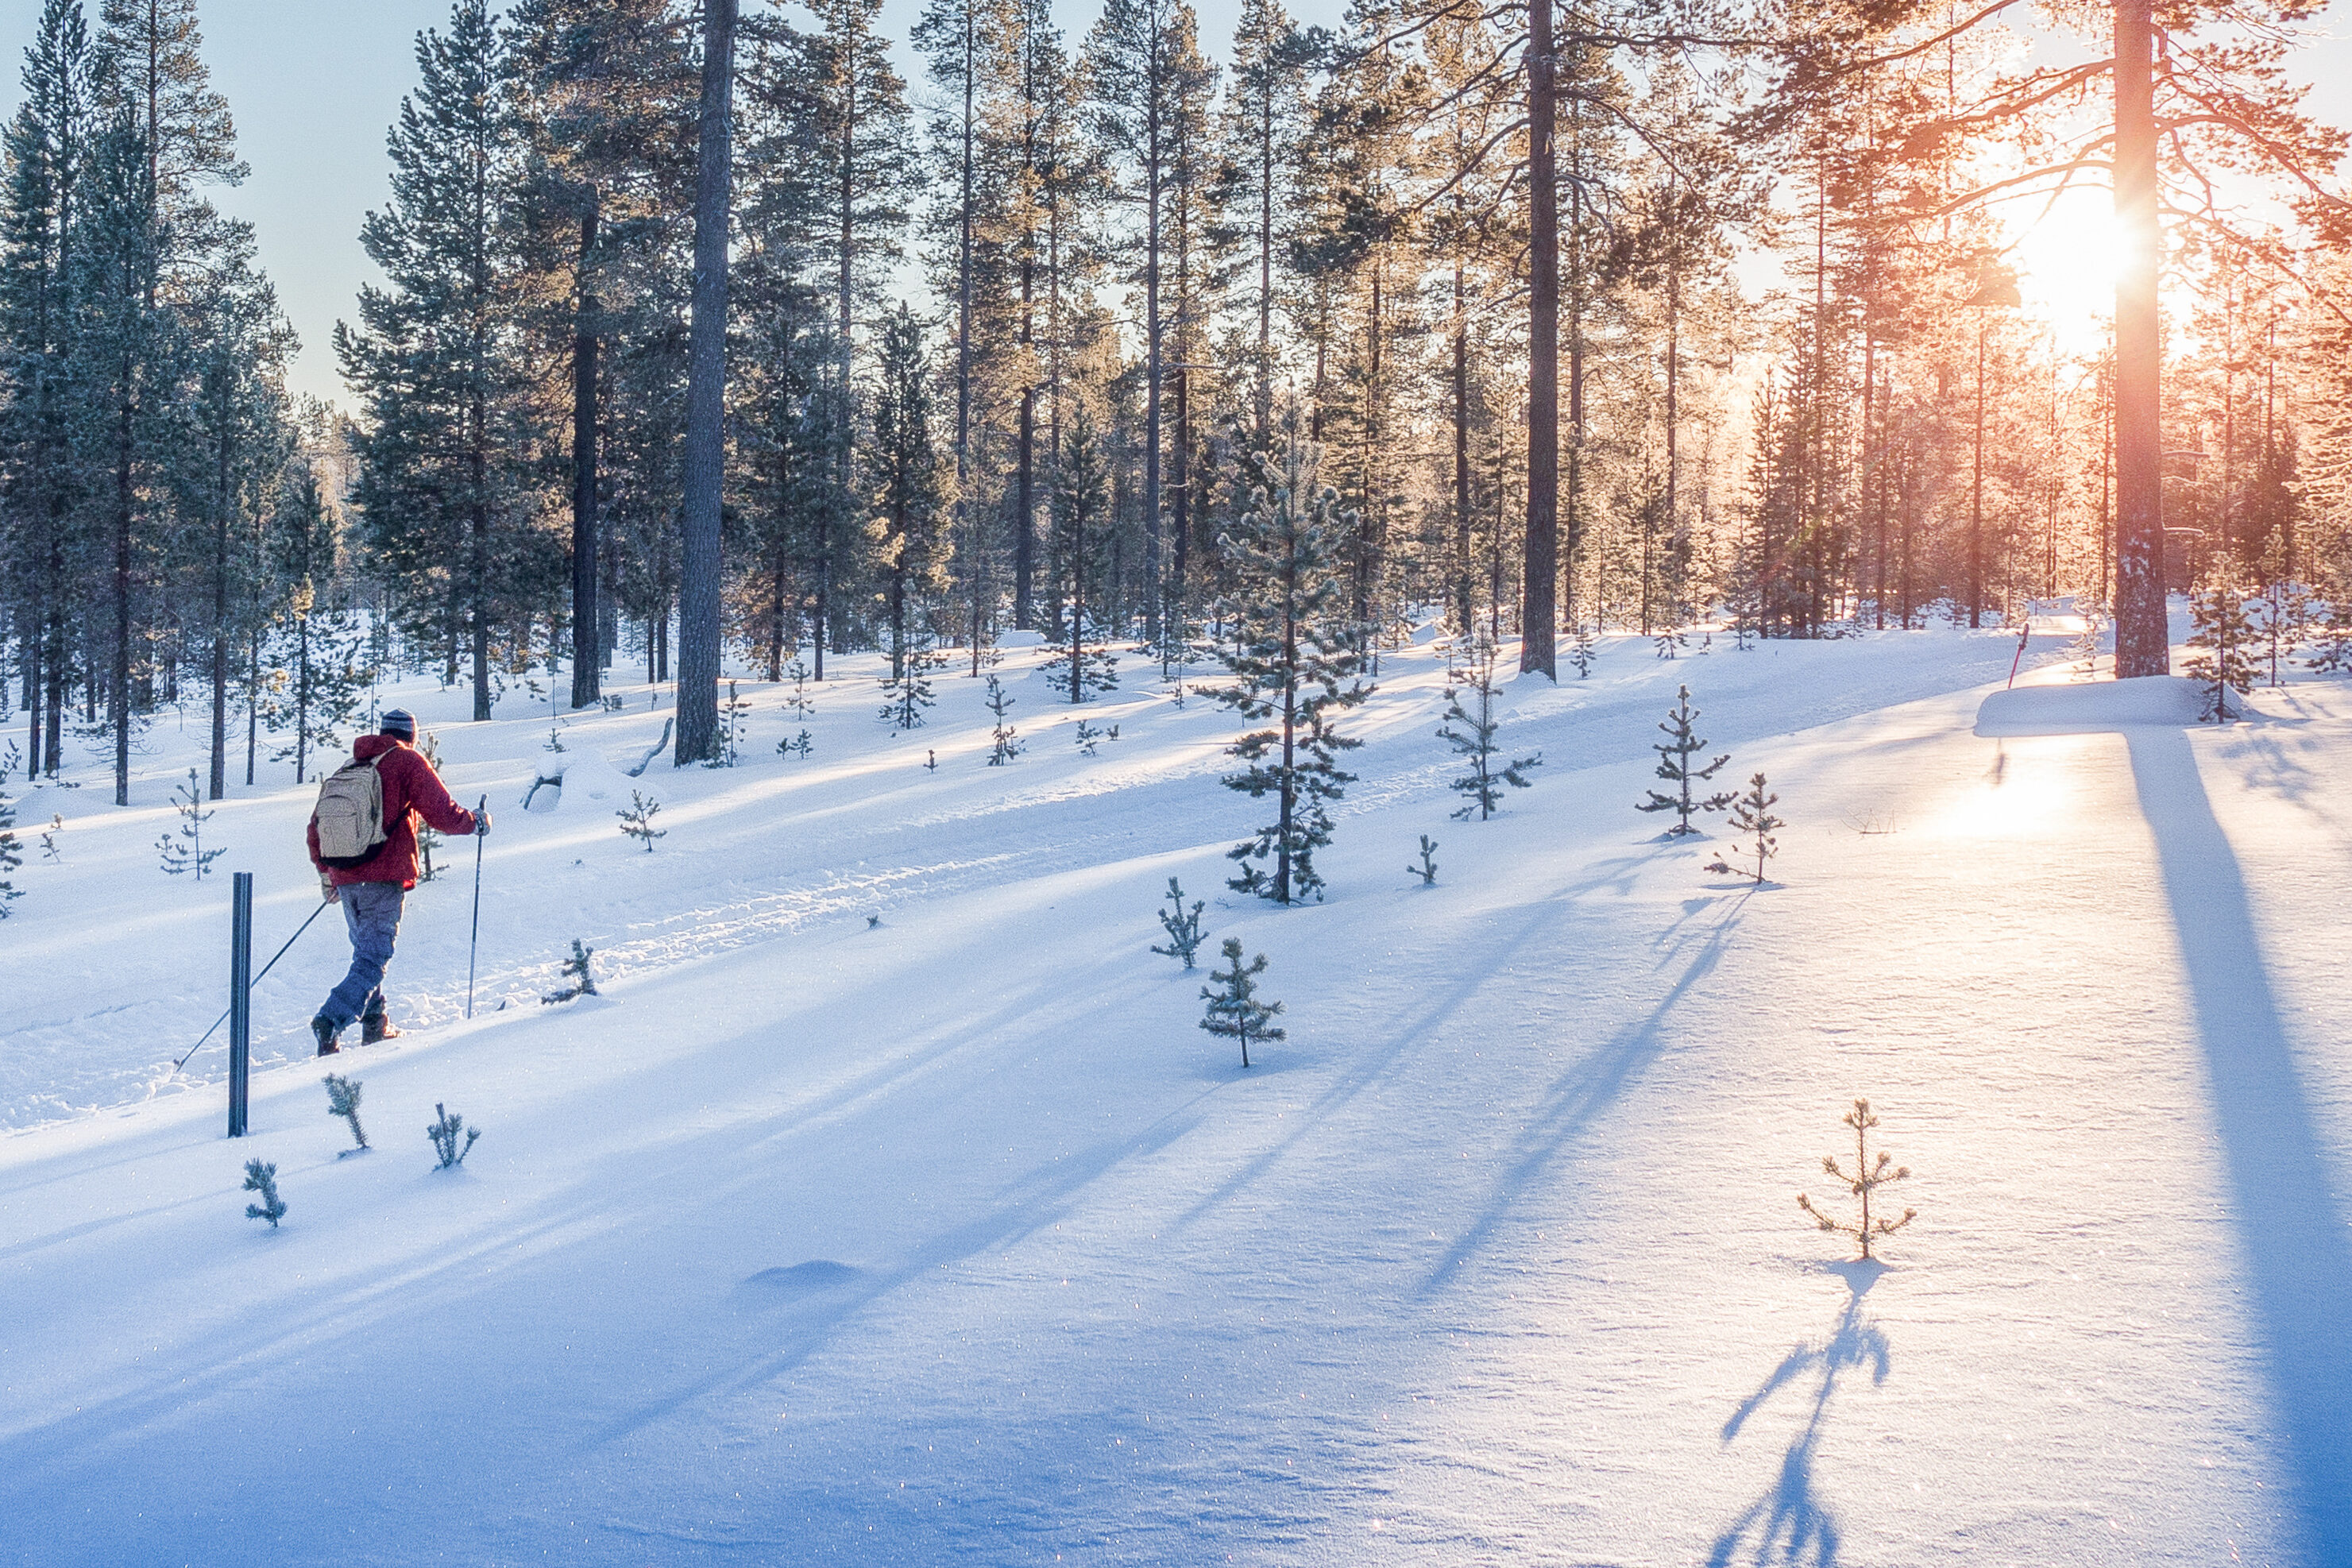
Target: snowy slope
{"x":954,"y":1239}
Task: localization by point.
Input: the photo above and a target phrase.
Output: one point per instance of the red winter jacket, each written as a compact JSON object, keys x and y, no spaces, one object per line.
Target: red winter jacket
{"x":411,"y":790}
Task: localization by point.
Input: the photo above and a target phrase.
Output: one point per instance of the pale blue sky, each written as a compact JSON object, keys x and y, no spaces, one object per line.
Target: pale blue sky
{"x":314,"y":83}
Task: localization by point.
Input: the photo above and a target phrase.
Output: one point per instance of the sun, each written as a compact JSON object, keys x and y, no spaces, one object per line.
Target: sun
{"x":2068,"y":259}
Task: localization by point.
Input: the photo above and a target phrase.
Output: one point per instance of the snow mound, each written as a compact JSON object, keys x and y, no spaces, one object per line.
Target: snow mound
{"x":577,"y":779}
{"x":2155,"y":700}
{"x":1020,"y":639}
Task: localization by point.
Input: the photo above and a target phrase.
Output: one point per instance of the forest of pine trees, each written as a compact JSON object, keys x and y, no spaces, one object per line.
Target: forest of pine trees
{"x":1597,"y":316}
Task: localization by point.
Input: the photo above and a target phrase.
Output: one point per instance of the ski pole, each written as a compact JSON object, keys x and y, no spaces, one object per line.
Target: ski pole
{"x":475,"y":943}
{"x":255,"y":981}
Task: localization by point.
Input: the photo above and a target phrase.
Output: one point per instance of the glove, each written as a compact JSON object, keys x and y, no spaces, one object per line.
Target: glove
{"x":327,"y":891}
{"x":481,"y":824}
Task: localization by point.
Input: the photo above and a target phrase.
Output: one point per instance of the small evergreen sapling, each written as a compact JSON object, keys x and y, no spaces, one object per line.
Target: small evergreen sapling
{"x":444,"y":1133}
{"x":2218,"y":646}
{"x":799,"y":746}
{"x":576,"y":966}
{"x":1581,"y":651}
{"x":2281,"y":619}
{"x":188,"y":800}
{"x":1184,"y":932}
{"x":734,"y":716}
{"x":638,"y":821}
{"x":1866,"y":1178}
{"x":1751,"y":814}
{"x":263,"y":1179}
{"x":1471,"y":732}
{"x":428,"y":839}
{"x":1234,"y":1011}
{"x":1675,"y":766}
{"x":1088,"y":737}
{"x":343,"y":1100}
{"x":11,"y":855}
{"x":907,"y":691}
{"x":1008,"y":739}
{"x":931,"y":759}
{"x":49,"y":850}
{"x":2331,"y":641}
{"x":797,"y":701}
{"x":1427,"y":869}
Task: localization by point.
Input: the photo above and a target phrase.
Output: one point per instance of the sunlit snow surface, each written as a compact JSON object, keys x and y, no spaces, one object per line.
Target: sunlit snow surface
{"x":952,"y":1239}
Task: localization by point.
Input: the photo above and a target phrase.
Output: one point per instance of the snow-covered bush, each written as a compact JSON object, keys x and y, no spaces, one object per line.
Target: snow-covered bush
{"x":1866,"y":1178}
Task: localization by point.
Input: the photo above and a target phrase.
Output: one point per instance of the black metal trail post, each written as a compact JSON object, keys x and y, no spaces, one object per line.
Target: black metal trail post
{"x":240,"y":997}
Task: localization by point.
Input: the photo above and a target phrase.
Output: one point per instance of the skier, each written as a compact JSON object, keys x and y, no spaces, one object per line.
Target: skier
{"x":364,"y":841}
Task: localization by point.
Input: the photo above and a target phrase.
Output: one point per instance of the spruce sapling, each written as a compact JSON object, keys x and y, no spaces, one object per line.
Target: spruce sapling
{"x":931,"y":759}
{"x":1088,"y":737}
{"x":2219,"y":645}
{"x":575,"y":966}
{"x":444,"y":1133}
{"x":11,"y":855}
{"x":1471,"y":732}
{"x":1427,"y":869}
{"x":1675,"y":766}
{"x":1866,"y":1178}
{"x":1236,"y":1012}
{"x":1581,"y":652}
{"x":734,"y":714}
{"x":1752,"y":814}
{"x":343,"y":1100}
{"x":907,"y":691}
{"x":1008,"y":742}
{"x":1669,"y":643}
{"x":2282,"y":617}
{"x":188,"y":800}
{"x":2331,"y":647}
{"x":799,"y":746}
{"x":49,"y":850}
{"x":797,"y":701}
{"x":263,"y":1179}
{"x":1184,"y":932}
{"x":638,"y":821}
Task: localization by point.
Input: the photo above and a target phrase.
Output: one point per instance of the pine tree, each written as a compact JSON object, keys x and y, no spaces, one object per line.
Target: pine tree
{"x":1427,"y":869}
{"x":1751,"y":814}
{"x":1006,"y":740}
{"x":637,"y":820}
{"x":2221,"y":645}
{"x":12,"y":854}
{"x":1294,"y":659}
{"x":343,"y":1100}
{"x":1184,"y":932}
{"x":1473,"y":735}
{"x":2331,"y":652}
{"x":2281,"y":618}
{"x":576,"y":968}
{"x":1235,"y":1012}
{"x":1081,"y":526}
{"x":444,"y":1132}
{"x":1866,"y":1178}
{"x":263,"y":1179}
{"x":432,"y":363}
{"x":192,"y":855}
{"x":907,"y":691}
{"x":907,"y":494}
{"x":1675,"y":766}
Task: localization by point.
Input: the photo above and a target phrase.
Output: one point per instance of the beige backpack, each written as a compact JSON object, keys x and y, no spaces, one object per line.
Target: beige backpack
{"x":350,"y":815}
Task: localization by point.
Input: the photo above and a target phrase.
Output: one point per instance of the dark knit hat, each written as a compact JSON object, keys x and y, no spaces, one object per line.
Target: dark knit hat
{"x":400,"y":724}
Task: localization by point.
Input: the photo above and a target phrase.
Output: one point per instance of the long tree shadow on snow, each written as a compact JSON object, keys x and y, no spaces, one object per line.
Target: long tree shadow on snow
{"x":1587,"y":1089}
{"x":2298,"y":1259}
{"x":1788,"y":1524}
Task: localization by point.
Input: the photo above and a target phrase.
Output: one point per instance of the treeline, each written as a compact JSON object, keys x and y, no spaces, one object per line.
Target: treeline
{"x":998,"y":340}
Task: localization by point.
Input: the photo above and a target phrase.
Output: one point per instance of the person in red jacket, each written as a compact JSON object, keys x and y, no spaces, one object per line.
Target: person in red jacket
{"x":371,"y":891}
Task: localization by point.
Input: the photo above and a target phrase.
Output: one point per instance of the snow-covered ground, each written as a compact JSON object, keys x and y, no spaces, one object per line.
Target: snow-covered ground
{"x":953,"y":1238}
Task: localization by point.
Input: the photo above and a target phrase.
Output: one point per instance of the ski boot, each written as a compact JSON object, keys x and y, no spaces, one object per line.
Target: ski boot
{"x":324,"y":1029}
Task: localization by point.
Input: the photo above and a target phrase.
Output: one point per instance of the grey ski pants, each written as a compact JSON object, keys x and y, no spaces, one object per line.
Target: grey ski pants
{"x":372,"y":914}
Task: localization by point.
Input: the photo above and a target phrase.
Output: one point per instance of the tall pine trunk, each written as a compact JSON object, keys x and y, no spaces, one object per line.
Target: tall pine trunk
{"x":586,"y":654}
{"x":706,"y":385}
{"x":1539,"y":606}
{"x":2143,"y":643}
